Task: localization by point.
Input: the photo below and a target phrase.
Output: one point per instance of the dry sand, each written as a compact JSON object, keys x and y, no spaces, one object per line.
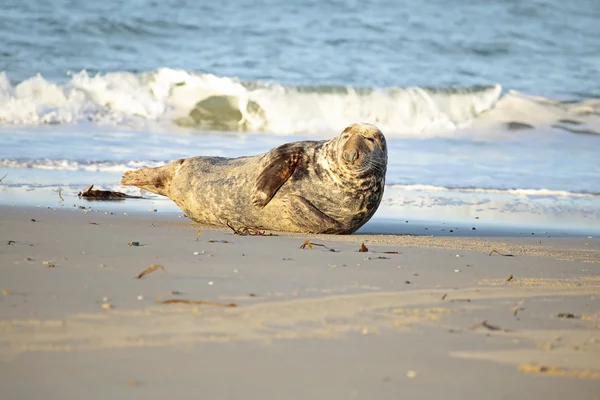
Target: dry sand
{"x":440,"y":319}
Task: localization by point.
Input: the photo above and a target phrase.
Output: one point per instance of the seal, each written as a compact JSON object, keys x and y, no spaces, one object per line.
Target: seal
{"x":332,"y":186}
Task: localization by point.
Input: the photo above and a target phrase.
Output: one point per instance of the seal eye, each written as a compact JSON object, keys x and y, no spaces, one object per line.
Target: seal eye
{"x":370,"y":139}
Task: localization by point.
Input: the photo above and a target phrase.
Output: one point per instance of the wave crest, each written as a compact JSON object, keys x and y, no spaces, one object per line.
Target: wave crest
{"x":208,"y":102}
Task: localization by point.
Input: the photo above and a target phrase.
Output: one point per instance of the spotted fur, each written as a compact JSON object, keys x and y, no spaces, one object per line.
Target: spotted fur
{"x":332,"y":186}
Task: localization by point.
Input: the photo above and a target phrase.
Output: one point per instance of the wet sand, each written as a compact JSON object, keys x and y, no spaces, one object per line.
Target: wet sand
{"x":442,"y":317}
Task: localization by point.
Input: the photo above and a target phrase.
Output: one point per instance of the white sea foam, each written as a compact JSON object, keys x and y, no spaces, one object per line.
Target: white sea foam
{"x":207,"y":101}
{"x":517,"y":192}
{"x":123,"y":166}
{"x":87,"y":166}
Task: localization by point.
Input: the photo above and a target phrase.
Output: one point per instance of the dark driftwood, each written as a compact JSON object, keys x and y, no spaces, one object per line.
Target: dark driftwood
{"x":90,"y":194}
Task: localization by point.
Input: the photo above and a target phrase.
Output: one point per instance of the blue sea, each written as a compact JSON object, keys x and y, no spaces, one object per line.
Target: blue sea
{"x":491,"y":109}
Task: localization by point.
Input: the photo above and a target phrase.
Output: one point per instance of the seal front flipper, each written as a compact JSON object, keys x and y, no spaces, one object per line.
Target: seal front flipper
{"x":281,"y":162}
{"x":309,"y":218}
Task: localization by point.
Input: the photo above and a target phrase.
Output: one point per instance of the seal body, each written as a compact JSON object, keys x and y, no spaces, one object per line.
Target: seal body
{"x":330,"y":186}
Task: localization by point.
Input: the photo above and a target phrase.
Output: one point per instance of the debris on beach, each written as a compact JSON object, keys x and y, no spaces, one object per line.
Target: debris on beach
{"x":198,"y":235}
{"x":496,"y":251}
{"x":1,"y":179}
{"x":90,"y":194}
{"x":309,"y":244}
{"x":567,"y":315}
{"x":391,"y":252}
{"x":488,"y":326}
{"x":306,"y":243}
{"x":134,"y":244}
{"x":107,"y":306}
{"x":49,"y":264}
{"x":5,"y":292}
{"x":60,"y":194}
{"x":510,"y":278}
{"x":202,"y":302}
{"x":150,"y":269}
{"x":517,"y":308}
{"x":245,"y":231}
{"x":363,"y":249}
{"x":556,"y":371}
{"x":8,"y":243}
{"x":444,"y":296}
{"x":217,"y":241}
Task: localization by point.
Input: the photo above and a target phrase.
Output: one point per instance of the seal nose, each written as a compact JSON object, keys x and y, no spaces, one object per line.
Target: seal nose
{"x":351,"y":156}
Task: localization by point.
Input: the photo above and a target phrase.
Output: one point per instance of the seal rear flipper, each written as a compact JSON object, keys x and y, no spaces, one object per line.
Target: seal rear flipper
{"x":281,"y":164}
{"x":309,"y":218}
{"x":156,"y":180}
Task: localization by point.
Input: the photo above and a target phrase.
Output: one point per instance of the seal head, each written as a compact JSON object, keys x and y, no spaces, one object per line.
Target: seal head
{"x":360,"y":153}
{"x":334,"y":187}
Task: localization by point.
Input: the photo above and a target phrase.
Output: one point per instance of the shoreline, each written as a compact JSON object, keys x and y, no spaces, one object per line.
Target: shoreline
{"x":451,"y":213}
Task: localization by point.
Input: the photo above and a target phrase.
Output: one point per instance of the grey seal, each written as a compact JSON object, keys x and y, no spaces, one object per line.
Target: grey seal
{"x":329,"y":186}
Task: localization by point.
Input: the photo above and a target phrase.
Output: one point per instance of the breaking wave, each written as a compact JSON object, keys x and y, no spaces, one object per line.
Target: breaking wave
{"x":201,"y":101}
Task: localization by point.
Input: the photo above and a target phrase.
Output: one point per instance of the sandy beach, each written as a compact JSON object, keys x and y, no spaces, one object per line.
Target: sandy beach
{"x":477,"y":276}
{"x":412,"y":317}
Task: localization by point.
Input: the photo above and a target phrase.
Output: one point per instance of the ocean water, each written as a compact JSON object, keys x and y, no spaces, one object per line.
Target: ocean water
{"x":491,"y":109}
